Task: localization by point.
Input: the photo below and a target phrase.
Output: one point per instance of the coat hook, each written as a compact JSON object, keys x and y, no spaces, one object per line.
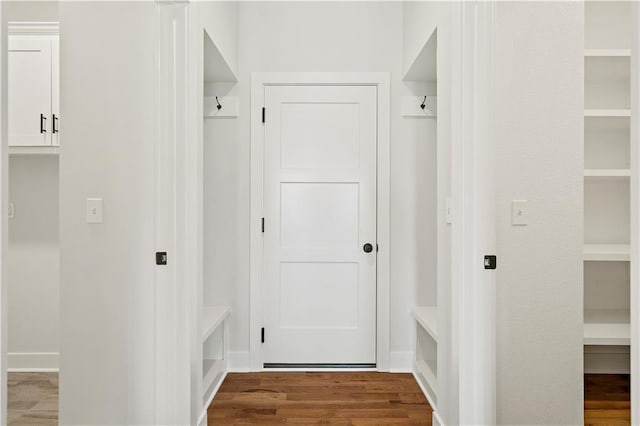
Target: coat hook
{"x":218,"y":102}
{"x":424,"y":103}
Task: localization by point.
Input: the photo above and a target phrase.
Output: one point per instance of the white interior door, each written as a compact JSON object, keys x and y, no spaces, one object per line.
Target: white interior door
{"x":319,"y":298}
{"x":29,"y":91}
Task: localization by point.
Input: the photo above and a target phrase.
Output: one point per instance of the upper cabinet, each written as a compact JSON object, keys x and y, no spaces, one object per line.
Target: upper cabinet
{"x":33,"y":89}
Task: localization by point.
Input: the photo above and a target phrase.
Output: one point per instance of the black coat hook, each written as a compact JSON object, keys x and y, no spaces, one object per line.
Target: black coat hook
{"x":218,"y":102}
{"x":424,"y":103}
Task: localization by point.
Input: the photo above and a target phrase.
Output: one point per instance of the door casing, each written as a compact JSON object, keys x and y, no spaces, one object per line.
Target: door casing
{"x":382,"y":82}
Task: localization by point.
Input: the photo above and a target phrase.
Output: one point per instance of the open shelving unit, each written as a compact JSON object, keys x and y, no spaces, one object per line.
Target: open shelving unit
{"x":607,"y":143}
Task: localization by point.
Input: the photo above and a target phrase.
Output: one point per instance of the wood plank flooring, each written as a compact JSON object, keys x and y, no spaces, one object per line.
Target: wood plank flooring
{"x":360,"y":398}
{"x":32,"y":399}
{"x":607,"y":399}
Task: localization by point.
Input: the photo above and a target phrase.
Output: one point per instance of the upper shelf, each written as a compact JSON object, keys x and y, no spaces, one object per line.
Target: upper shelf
{"x":34,"y":150}
{"x":216,"y":68}
{"x":424,"y":66}
{"x":607,"y":53}
{"x":427,"y":317}
{"x":607,"y":173}
{"x":607,"y":252}
{"x":607,"y":113}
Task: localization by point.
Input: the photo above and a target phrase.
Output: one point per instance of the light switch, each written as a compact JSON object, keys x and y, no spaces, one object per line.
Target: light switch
{"x":448,"y":212}
{"x":519,"y":213}
{"x":94,"y":210}
{"x":12,"y":211}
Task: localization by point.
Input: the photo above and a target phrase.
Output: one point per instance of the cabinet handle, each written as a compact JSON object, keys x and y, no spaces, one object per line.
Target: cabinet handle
{"x":55,"y":122}
{"x":43,"y":123}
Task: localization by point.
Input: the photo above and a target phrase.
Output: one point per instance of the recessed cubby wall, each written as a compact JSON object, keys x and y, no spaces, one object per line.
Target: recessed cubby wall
{"x":606,"y":211}
{"x":606,"y":143}
{"x":606,"y":82}
{"x":607,"y":25}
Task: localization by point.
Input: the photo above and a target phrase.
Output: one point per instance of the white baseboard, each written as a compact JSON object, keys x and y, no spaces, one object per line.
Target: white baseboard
{"x":239,"y":362}
{"x":18,"y":362}
{"x":401,"y":362}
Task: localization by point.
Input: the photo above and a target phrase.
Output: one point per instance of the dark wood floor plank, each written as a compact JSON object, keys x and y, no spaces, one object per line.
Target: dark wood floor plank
{"x":607,"y":399}
{"x":353,"y":398}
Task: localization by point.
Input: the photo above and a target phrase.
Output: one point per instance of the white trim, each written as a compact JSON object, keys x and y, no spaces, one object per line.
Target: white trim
{"x":174,"y":393}
{"x":4,"y":221}
{"x":34,"y":28}
{"x":427,"y":395}
{"x":635,"y":216}
{"x":202,"y":419}
{"x":33,"y":361}
{"x":401,"y":362}
{"x":473,"y":233}
{"x":382,"y":81}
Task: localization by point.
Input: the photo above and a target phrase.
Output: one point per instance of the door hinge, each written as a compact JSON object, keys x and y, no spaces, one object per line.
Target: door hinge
{"x":263,"y":114}
{"x":262,"y":335}
{"x":263,"y":225}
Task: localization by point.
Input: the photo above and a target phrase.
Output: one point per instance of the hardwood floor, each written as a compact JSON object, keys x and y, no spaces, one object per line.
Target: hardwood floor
{"x":607,"y":399}
{"x":319,"y":398}
{"x":32,"y":399}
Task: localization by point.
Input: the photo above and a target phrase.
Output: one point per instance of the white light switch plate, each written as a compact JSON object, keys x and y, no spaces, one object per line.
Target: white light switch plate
{"x":12,"y":211}
{"x":448,"y":212}
{"x":519,"y":213}
{"x":94,"y":210}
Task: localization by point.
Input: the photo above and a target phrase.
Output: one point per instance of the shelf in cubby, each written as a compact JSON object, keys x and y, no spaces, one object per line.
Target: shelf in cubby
{"x":212,"y":318}
{"x":607,"y":53}
{"x":607,"y":173}
{"x":607,"y":252}
{"x":427,"y":317}
{"x":608,"y":327}
{"x":607,"y":112}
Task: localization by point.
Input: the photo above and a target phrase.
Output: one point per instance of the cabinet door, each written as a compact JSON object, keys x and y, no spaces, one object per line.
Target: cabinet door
{"x":29,"y":91}
{"x":55,"y":92}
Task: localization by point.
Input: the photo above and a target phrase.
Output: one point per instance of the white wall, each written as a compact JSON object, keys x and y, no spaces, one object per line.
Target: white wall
{"x":539,"y":152}
{"x":107,"y":270}
{"x":33,"y":262}
{"x":318,"y":36}
{"x":33,"y":240}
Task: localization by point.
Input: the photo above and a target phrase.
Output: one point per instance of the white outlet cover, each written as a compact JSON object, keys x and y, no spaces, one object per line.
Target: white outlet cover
{"x":12,"y":211}
{"x":94,"y":210}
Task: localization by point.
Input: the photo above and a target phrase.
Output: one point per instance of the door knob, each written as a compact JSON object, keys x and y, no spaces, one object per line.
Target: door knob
{"x":368,"y":248}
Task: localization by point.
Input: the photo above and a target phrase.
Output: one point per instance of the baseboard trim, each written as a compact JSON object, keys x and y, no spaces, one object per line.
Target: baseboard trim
{"x":21,"y":362}
{"x":239,"y":362}
{"x":401,"y":362}
{"x":202,"y":420}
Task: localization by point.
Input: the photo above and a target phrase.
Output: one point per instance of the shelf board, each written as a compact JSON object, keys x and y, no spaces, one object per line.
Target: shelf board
{"x":608,"y":327}
{"x":427,"y":317}
{"x":607,"y":113}
{"x":212,"y":318}
{"x":607,"y":252}
{"x":34,"y":150}
{"x":607,"y":53}
{"x":607,"y":173}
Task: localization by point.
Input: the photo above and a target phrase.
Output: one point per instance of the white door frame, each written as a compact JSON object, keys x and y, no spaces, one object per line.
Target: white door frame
{"x":258,"y":82}
{"x":635,"y":214}
{"x":4,"y":220}
{"x":474,"y":205}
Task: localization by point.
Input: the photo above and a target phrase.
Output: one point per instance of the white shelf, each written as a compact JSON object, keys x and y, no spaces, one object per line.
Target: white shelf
{"x":606,"y":327}
{"x":607,"y":252}
{"x":607,"y":113}
{"x":34,"y":150}
{"x":212,"y":317}
{"x":607,"y":53}
{"x":427,"y":317}
{"x":607,"y":173}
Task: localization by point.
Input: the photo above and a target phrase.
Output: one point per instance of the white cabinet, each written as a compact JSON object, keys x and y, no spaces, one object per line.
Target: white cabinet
{"x":33,"y":90}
